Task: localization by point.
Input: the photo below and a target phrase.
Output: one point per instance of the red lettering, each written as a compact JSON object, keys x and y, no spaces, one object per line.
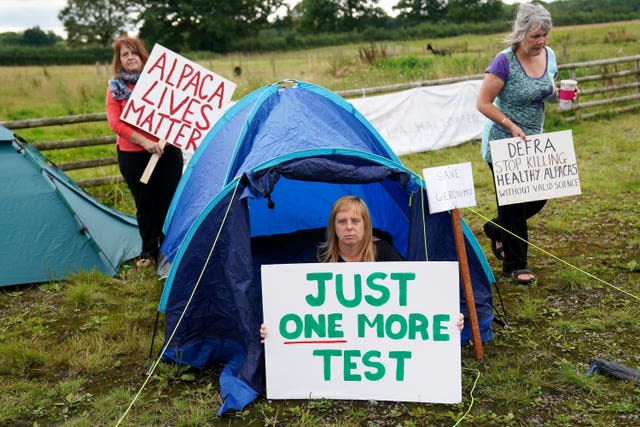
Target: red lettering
{"x":219,"y":93}
{"x":144,"y":97}
{"x":164,"y":92}
{"x":188,"y":111}
{"x":203,"y":113}
{"x":186,"y":72}
{"x":160,"y":63}
{"x":195,"y":136}
{"x":173,"y":67}
{"x":173,"y":108}
{"x":148,"y":121}
{"x":202,"y":84}
{"x":195,"y":81}
{"x":167,"y":135}
{"x":130,"y":107}
{"x":180,"y":134}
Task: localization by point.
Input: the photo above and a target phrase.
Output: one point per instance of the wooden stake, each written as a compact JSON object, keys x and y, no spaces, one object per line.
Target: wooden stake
{"x":466,"y":283}
{"x":153,"y":161}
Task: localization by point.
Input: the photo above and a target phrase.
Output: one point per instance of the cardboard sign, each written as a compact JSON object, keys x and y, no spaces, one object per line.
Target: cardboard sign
{"x":383,"y":331}
{"x":449,"y":187}
{"x":176,"y":99}
{"x":543,"y":167}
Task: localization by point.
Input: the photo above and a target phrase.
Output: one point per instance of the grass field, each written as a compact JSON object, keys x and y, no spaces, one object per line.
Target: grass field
{"x":75,"y":353}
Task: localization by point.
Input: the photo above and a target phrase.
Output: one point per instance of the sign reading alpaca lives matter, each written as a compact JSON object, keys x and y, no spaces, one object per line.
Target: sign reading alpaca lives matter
{"x":176,"y":99}
{"x":363,"y":330}
{"x":542,"y":167}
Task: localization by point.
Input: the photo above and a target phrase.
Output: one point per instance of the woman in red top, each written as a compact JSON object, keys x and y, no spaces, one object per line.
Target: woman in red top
{"x":135,"y":148}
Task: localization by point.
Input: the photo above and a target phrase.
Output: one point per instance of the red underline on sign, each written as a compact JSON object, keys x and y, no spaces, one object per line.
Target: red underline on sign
{"x":317,"y":342}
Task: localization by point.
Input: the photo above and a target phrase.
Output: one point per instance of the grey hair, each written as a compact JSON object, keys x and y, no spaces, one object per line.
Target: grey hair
{"x":530,"y":17}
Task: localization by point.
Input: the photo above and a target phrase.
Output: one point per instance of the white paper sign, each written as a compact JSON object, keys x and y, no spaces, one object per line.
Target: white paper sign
{"x":543,"y":167}
{"x":449,"y":187}
{"x":176,"y":99}
{"x":383,"y":331}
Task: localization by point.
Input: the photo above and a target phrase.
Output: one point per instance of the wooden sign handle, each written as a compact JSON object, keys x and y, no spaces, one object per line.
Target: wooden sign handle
{"x":466,"y":282}
{"x":153,"y":161}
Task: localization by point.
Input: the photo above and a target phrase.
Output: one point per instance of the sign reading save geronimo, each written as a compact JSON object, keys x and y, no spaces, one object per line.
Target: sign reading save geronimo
{"x":176,"y":99}
{"x":542,"y":167}
{"x":383,"y":331}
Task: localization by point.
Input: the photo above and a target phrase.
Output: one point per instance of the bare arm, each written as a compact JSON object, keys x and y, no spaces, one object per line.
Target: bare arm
{"x":489,"y":90}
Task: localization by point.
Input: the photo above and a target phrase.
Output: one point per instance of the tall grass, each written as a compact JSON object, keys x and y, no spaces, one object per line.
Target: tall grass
{"x":75,"y":352}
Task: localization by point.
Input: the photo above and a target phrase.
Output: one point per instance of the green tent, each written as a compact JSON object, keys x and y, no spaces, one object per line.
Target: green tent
{"x":49,"y":227}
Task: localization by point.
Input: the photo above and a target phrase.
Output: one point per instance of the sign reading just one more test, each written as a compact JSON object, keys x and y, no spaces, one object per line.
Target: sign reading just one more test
{"x":383,"y":331}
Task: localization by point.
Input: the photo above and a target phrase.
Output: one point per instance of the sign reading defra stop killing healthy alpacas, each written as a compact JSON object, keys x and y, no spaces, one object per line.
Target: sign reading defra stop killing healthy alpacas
{"x":383,"y":331}
{"x":542,"y":167}
{"x":176,"y":99}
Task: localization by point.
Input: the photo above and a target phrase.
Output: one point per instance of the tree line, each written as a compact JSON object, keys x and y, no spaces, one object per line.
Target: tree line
{"x":258,"y":25}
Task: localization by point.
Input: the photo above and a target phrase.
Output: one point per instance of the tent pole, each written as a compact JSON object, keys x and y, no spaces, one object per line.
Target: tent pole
{"x":153,"y":337}
{"x":466,"y":282}
{"x":504,"y":322}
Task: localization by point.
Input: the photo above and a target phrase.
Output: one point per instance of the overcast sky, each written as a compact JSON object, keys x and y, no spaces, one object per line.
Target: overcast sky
{"x":19,"y":15}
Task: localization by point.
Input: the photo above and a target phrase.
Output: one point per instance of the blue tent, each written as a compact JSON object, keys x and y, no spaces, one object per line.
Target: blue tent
{"x":51,"y":228}
{"x":258,"y":191}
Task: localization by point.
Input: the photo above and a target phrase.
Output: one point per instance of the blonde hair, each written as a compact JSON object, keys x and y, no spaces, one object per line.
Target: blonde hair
{"x":132,"y":43}
{"x":530,"y":17}
{"x":329,"y":251}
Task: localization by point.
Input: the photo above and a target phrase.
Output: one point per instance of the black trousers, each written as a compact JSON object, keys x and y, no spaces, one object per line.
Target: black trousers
{"x":152,"y":199}
{"x":513,"y":218}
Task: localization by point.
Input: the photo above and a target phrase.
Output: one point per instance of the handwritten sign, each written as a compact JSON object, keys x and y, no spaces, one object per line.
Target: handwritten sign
{"x":543,"y":167}
{"x":384,"y":331}
{"x":449,"y":187}
{"x":176,"y":99}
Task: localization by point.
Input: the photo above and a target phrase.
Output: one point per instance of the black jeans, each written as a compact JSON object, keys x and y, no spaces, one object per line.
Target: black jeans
{"x":513,"y":218}
{"x":152,"y":199}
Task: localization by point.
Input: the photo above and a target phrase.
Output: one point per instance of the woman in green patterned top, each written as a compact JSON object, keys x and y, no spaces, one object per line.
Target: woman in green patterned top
{"x":516,"y":84}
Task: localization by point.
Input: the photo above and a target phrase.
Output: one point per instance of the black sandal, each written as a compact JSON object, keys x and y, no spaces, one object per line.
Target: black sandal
{"x":514,"y":275}
{"x":498,"y":252}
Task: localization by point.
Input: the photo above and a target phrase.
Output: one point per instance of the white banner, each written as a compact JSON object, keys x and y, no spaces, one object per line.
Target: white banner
{"x":542,"y":167}
{"x":176,"y":99}
{"x":383,"y":331}
{"x":425,"y":118}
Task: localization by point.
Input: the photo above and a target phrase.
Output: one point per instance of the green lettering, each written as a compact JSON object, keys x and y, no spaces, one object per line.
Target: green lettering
{"x":367,"y":361}
{"x":400,"y":356}
{"x":321,"y":278}
{"x":326,"y":360}
{"x":402,"y":279}
{"x":297,"y":323}
{"x":383,"y":289}
{"x":418,"y":324}
{"x":399,"y":320}
{"x":349,"y":365}
{"x":357,"y":291}
{"x":317,"y":325}
{"x":439,"y":326}
{"x":335,"y":328}
{"x":377,"y":322}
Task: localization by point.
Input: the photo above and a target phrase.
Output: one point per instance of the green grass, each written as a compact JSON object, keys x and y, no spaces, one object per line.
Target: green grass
{"x":75,"y":352}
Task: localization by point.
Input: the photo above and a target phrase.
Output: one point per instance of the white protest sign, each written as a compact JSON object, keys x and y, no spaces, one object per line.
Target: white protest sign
{"x":383,"y":331}
{"x":543,"y":167}
{"x":176,"y":99}
{"x":449,"y":187}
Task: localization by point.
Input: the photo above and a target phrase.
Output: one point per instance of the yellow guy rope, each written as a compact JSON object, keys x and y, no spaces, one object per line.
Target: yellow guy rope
{"x":559,"y":259}
{"x":195,"y":288}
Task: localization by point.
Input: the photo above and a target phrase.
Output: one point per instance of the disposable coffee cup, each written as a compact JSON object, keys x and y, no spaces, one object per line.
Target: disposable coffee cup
{"x":567,"y":93}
